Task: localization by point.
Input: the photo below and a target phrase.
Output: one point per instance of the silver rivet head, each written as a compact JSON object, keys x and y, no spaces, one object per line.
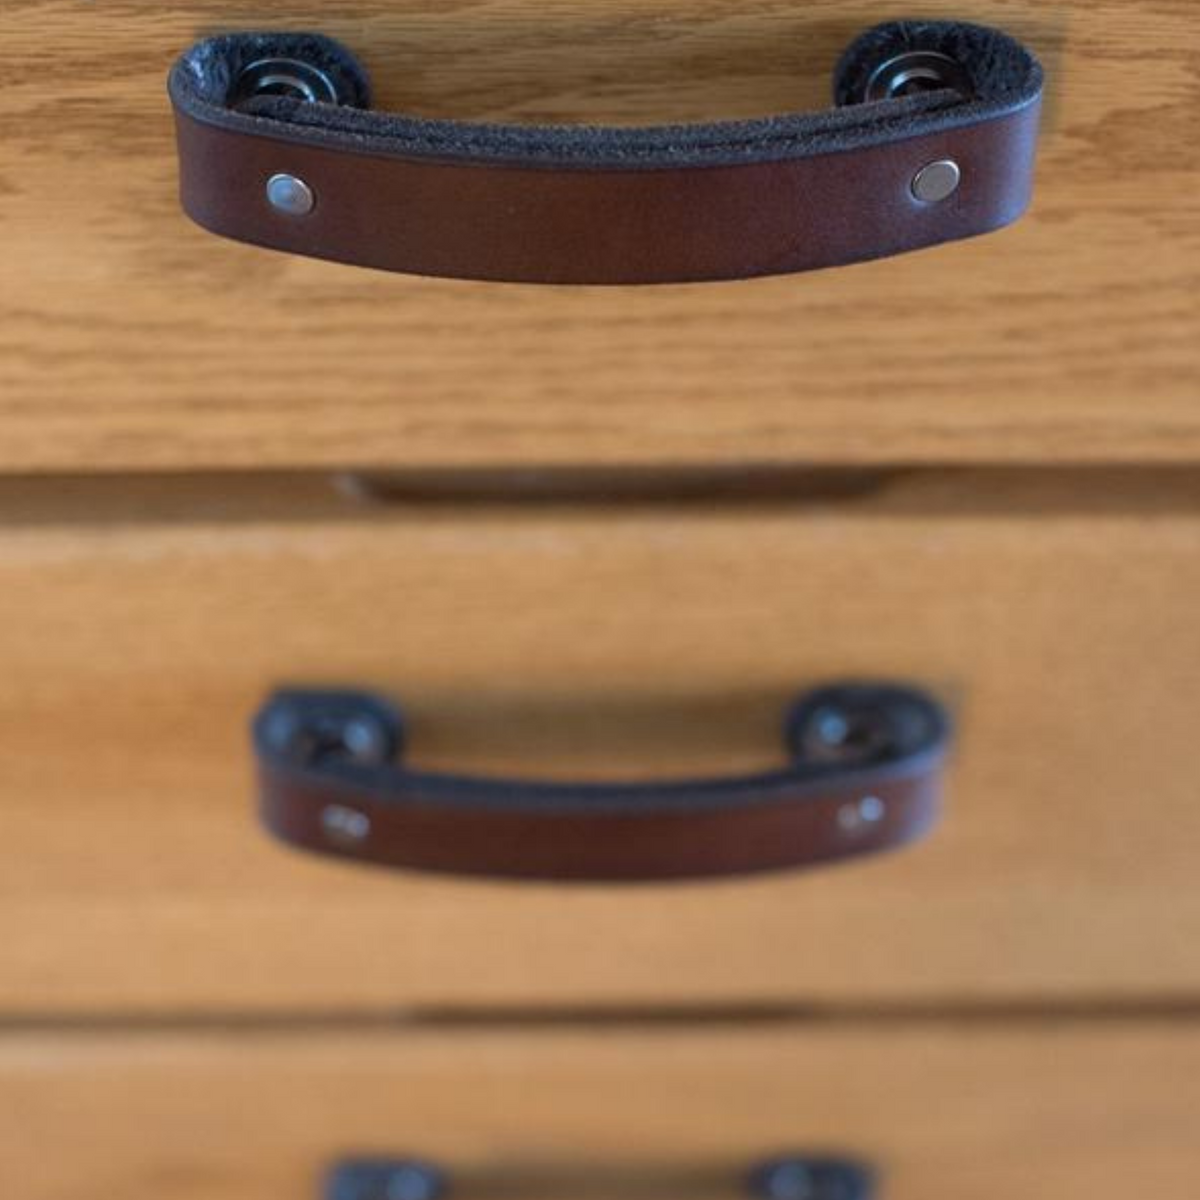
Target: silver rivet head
{"x":290,"y":194}
{"x":344,"y":826}
{"x":862,"y":814}
{"x":936,"y":181}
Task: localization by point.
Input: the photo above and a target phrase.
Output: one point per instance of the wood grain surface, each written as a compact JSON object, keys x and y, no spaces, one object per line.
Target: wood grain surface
{"x":1056,"y":615}
{"x":130,"y":339}
{"x":974,"y":1112}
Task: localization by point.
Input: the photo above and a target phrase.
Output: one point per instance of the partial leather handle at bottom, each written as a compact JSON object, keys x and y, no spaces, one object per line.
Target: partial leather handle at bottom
{"x":864,"y":776}
{"x":797,"y":1176}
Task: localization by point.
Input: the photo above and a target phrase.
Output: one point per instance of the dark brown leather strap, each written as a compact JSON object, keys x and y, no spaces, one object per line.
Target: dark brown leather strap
{"x":933,"y":139}
{"x":865,"y":777}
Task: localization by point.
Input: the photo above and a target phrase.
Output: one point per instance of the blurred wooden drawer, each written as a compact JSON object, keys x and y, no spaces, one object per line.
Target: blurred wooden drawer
{"x":974,"y":1111}
{"x":144,"y":624}
{"x":131,"y":339}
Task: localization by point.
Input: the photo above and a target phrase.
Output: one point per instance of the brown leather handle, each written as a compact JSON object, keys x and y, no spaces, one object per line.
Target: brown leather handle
{"x":864,"y":776}
{"x":932,"y":139}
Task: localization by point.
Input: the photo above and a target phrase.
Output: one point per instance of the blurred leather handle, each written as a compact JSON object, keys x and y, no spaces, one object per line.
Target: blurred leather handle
{"x":864,"y":776}
{"x":932,"y":139}
{"x":796,"y":1176}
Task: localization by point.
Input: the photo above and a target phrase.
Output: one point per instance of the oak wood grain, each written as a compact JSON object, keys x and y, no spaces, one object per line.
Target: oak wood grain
{"x":130,"y":339}
{"x":596,"y":640}
{"x":954,"y":1113}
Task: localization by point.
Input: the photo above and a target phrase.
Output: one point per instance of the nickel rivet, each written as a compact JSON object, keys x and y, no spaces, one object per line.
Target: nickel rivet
{"x":936,"y":181}
{"x":290,"y":194}
{"x":345,"y":826}
{"x":855,"y":817}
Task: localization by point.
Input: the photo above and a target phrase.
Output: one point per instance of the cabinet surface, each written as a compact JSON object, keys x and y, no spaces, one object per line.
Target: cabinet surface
{"x":597,"y":534}
{"x":1056,"y":618}
{"x":973,"y":1111}
{"x":131,"y":339}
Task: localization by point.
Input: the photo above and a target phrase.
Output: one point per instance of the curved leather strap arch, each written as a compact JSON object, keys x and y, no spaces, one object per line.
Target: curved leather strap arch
{"x":864,"y":777}
{"x":585,"y":204}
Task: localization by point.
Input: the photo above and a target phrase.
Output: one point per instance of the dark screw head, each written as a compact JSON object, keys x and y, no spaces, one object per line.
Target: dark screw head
{"x":290,"y":77}
{"x":401,"y":1179}
{"x":312,"y":731}
{"x":917,"y":71}
{"x":811,"y":1179}
{"x":787,"y":1179}
{"x":838,"y":733}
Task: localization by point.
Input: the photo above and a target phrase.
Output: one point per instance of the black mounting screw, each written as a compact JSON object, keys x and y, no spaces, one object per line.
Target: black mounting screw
{"x":385,"y":1179}
{"x":917,"y":71}
{"x":802,"y":1178}
{"x":290,"y":77}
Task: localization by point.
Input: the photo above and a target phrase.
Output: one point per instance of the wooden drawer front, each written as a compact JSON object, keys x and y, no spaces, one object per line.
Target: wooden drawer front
{"x":591,"y":642}
{"x":960,"y":1113}
{"x":131,"y":338}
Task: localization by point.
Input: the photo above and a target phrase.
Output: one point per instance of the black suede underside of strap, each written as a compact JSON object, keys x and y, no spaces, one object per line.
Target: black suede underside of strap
{"x":1005,"y":76}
